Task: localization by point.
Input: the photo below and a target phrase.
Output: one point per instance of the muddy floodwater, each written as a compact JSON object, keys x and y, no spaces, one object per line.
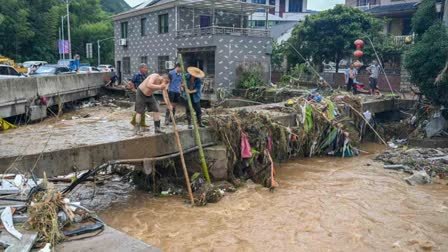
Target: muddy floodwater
{"x":322,"y":204}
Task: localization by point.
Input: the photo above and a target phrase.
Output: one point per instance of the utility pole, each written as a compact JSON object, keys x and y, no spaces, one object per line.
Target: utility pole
{"x":99,"y":48}
{"x":445,"y":13}
{"x":63,"y":39}
{"x":68,"y":30}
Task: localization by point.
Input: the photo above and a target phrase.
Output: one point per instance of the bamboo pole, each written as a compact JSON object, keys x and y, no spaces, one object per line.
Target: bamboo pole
{"x":179,"y":145}
{"x":197,"y":136}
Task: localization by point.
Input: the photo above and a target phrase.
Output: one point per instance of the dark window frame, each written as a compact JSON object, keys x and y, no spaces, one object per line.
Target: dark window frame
{"x":126,"y":65}
{"x":161,"y":63}
{"x":124,"y":29}
{"x":144,"y":59}
{"x":143,"y":27}
{"x":163,"y":23}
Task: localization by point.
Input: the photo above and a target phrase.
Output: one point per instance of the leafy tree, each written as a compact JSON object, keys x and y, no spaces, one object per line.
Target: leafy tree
{"x":329,"y":35}
{"x":426,"y":60}
{"x":29,"y":29}
{"x":115,"y":6}
{"x":425,"y":16}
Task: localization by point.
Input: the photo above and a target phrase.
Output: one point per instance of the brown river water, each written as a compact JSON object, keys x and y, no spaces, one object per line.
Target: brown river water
{"x":322,"y":204}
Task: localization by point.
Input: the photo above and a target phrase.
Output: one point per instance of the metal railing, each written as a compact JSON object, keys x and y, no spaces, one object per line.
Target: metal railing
{"x":401,"y":40}
{"x":219,"y":30}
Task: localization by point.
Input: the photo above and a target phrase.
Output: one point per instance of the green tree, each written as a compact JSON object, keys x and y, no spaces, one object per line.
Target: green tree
{"x":425,"y":16}
{"x":329,"y":35}
{"x":426,"y":60}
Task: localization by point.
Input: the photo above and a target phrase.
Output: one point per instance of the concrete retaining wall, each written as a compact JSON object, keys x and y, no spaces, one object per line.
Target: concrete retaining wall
{"x":16,"y":94}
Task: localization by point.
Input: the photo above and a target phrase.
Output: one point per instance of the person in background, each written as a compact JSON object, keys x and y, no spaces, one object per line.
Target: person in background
{"x":145,"y":100}
{"x":139,"y":77}
{"x":134,"y":83}
{"x":174,"y":90}
{"x":193,"y":88}
{"x":350,"y":77}
{"x":374,"y":71}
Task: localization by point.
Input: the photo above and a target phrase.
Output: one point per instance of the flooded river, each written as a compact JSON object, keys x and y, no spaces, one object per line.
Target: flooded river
{"x":322,"y":204}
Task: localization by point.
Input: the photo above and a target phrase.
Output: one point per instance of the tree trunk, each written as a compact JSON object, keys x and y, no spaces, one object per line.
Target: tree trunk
{"x":337,"y":63}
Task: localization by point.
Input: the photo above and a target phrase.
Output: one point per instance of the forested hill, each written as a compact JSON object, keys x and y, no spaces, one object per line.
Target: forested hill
{"x":29,"y":30}
{"x":115,"y":6}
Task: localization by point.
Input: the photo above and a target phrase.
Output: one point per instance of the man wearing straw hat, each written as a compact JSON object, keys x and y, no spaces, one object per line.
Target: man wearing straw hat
{"x":145,"y":99}
{"x":194,"y":85}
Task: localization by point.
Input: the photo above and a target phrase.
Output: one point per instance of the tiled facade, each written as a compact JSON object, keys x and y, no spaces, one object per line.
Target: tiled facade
{"x":230,"y":51}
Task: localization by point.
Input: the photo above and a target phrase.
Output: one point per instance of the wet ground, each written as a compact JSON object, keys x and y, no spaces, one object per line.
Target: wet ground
{"x":322,"y":204}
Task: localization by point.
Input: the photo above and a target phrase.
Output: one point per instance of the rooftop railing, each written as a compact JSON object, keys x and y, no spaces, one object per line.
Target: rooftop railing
{"x":219,"y":30}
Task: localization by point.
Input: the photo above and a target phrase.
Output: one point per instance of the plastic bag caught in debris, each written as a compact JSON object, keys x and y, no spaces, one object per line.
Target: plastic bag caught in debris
{"x":435,"y":126}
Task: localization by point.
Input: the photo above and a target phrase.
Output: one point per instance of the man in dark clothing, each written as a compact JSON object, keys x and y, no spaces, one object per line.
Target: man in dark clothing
{"x":174,"y":90}
{"x":140,"y":76}
{"x":194,"y":85}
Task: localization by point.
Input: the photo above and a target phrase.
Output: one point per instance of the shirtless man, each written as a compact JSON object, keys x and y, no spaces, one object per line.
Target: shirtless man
{"x":146,"y":100}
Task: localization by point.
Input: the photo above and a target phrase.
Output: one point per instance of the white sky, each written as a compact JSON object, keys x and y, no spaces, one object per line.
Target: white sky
{"x":312,"y":4}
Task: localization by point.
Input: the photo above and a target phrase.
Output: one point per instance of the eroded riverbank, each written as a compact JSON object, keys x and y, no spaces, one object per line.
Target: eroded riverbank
{"x":322,"y":204}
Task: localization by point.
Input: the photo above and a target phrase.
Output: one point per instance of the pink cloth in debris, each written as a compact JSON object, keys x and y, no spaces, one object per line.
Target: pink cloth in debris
{"x":269,"y":144}
{"x":246,"y":151}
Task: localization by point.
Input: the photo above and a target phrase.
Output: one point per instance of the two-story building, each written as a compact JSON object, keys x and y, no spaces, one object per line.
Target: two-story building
{"x":397,"y":12}
{"x":212,"y":35}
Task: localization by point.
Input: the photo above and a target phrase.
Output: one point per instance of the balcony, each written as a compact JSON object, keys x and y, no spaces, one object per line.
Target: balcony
{"x":401,"y":40}
{"x":219,"y":30}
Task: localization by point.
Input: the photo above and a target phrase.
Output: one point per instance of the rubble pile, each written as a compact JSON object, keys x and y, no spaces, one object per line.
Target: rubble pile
{"x":325,"y":125}
{"x":44,"y":212}
{"x":423,"y":163}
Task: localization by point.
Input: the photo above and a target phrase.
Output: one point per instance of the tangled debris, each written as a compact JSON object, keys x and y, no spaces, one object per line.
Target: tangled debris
{"x":418,"y":162}
{"x":325,"y":125}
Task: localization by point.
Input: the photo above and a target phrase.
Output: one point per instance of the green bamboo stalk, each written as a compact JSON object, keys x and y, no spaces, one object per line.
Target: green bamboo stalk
{"x":197,"y":136}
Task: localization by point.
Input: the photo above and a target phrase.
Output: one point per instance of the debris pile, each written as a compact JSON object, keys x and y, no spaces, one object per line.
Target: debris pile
{"x":48,"y":211}
{"x":325,"y":125}
{"x":423,"y":163}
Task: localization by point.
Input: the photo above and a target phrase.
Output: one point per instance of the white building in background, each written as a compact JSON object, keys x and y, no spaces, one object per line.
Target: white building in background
{"x":283,"y":16}
{"x":284,"y":11}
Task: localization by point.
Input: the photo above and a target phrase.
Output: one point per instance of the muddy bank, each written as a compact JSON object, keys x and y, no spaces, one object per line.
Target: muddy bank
{"x":321,"y":204}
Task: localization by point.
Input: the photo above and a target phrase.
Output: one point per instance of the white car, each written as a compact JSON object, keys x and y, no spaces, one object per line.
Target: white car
{"x":8,"y":72}
{"x":88,"y":69}
{"x":33,"y":65}
{"x":106,"y":68}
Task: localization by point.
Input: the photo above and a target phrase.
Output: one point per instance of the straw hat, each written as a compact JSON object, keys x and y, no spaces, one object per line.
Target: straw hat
{"x":196,"y":72}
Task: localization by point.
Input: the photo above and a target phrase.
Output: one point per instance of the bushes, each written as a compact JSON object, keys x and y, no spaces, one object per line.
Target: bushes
{"x":250,"y":76}
{"x":426,"y":60}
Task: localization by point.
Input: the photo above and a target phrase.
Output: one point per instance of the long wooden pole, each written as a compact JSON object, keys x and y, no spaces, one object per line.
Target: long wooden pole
{"x":195,"y":124}
{"x":179,"y":145}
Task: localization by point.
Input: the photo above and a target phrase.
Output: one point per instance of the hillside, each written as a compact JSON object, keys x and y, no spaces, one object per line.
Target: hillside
{"x":115,"y":6}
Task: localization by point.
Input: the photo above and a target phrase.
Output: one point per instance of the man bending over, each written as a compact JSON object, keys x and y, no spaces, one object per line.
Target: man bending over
{"x":145,"y":99}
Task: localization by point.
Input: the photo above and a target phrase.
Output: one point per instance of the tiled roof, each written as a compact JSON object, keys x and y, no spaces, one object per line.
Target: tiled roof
{"x":393,"y":8}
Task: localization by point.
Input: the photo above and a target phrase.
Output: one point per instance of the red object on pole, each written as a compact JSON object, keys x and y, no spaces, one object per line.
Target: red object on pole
{"x":358,"y":54}
{"x":359,"y":43}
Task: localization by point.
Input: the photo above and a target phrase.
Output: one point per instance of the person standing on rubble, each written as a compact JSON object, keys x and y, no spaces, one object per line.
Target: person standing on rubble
{"x":350,"y":77}
{"x":145,"y":100}
{"x":174,"y":91}
{"x":136,"y":80}
{"x":194,"y":86}
{"x":374,"y":71}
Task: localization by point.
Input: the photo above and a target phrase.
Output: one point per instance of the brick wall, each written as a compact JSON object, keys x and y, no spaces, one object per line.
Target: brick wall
{"x":338,"y":80}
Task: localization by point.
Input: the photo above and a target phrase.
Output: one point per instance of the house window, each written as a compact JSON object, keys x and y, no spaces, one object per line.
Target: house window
{"x":143,"y":27}
{"x":126,"y":65}
{"x":163,"y":23}
{"x":367,"y":2}
{"x":124,"y":30}
{"x":295,"y":5}
{"x":144,"y":59}
{"x":161,"y":63}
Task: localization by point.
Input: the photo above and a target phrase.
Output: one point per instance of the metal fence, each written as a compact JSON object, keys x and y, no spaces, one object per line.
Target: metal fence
{"x":219,"y":30}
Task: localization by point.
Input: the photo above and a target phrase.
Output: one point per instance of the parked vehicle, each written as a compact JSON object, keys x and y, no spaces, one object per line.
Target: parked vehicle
{"x":32,"y":66}
{"x":72,"y":64}
{"x":106,"y":68}
{"x":7,"y":61}
{"x":88,"y":69}
{"x":49,"y":70}
{"x":8,"y":72}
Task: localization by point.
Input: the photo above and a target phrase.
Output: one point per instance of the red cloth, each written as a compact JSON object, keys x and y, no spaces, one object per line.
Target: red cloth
{"x":246,"y":151}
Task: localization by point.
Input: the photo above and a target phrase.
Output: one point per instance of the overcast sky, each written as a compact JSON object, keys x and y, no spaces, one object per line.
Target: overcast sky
{"x":312,"y":4}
